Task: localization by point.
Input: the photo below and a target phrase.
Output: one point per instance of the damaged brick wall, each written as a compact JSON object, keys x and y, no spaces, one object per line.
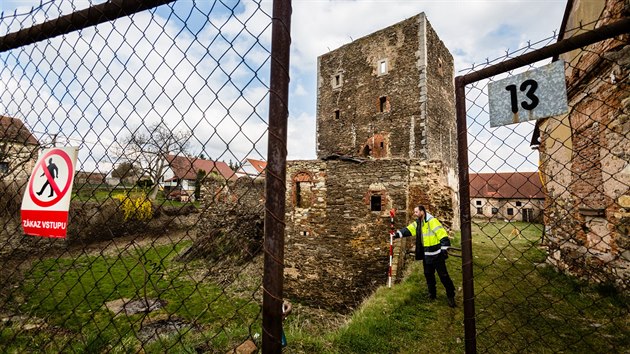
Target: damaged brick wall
{"x":586,"y":157}
{"x":337,"y":250}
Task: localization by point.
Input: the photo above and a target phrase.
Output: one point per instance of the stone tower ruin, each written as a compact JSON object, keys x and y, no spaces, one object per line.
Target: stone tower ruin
{"x":385,"y":139}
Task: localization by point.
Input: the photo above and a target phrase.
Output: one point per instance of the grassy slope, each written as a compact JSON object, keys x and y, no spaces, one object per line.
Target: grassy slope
{"x":520,"y":306}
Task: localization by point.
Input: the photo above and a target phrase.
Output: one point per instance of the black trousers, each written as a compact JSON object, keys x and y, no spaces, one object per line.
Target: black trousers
{"x":438,"y":265}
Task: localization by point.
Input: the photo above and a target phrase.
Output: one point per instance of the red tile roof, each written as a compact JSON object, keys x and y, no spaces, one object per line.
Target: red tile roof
{"x":258,"y":165}
{"x":185,"y":167}
{"x":14,"y":130}
{"x":503,"y":185}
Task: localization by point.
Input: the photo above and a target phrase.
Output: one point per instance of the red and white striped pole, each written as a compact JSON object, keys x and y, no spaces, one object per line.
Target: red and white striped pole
{"x":392,"y":212}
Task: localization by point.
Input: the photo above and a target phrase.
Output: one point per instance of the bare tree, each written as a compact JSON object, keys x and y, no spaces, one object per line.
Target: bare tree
{"x":147,"y":150}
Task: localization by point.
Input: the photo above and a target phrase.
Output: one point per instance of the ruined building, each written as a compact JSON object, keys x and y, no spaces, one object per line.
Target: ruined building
{"x":585,"y":160}
{"x":385,"y":139}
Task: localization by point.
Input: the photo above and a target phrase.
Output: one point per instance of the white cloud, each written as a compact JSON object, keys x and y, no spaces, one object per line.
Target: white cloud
{"x":106,"y":80}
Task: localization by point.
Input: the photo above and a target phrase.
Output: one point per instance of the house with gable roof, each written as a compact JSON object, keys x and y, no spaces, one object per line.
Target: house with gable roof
{"x":181,"y":173}
{"x":18,"y":149}
{"x":252,"y":168}
{"x":513,"y":196}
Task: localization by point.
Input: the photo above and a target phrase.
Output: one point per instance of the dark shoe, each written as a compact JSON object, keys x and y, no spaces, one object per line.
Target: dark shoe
{"x":451,"y":302}
{"x":50,"y":196}
{"x":38,"y":193}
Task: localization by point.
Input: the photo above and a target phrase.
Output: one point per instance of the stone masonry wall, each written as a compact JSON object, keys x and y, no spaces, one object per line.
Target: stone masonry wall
{"x":358,"y":103}
{"x":587,"y":169}
{"x":337,"y":249}
{"x":441,"y":140}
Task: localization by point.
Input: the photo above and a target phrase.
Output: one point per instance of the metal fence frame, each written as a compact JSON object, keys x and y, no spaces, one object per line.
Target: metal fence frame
{"x":277,"y":143}
{"x":563,"y":46}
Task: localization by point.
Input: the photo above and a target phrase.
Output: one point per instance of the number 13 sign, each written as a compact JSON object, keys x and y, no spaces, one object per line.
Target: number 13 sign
{"x":535,"y":94}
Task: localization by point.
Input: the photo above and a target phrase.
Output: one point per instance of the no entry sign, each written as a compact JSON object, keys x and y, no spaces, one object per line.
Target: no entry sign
{"x":47,"y":198}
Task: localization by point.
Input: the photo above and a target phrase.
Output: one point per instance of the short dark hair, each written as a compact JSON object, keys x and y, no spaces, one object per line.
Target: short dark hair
{"x":421,"y":207}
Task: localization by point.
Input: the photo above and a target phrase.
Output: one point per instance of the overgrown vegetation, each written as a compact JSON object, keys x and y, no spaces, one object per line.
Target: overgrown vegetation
{"x":521,"y":305}
{"x":65,"y":299}
{"x":137,"y":207}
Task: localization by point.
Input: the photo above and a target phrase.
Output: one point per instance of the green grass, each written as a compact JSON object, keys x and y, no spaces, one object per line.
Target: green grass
{"x":69,"y":295}
{"x":520,"y":305}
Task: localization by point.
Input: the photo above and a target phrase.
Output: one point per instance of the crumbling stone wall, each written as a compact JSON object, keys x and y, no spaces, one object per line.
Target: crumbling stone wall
{"x":388,"y":94}
{"x":337,"y":249}
{"x":585,"y":157}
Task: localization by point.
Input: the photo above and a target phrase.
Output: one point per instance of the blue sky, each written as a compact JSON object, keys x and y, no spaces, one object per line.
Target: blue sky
{"x":88,"y":94}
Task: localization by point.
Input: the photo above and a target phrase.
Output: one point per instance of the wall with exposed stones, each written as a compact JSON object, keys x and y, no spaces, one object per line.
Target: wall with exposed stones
{"x":385,"y":139}
{"x":388,"y":94}
{"x":336,"y":248}
{"x":585,"y":157}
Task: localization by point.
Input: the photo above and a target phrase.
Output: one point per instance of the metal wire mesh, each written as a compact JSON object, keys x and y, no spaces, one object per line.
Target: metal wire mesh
{"x":547,"y":200}
{"x":168,"y":108}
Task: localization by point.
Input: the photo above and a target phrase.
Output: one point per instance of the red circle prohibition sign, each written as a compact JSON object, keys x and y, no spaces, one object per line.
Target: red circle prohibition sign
{"x":59,"y":193}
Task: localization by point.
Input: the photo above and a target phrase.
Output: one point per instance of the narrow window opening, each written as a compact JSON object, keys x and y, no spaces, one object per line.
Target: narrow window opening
{"x":303,"y":194}
{"x":478,"y":202}
{"x":337,"y":114}
{"x":383,"y":103}
{"x":382,"y":145}
{"x":382,"y":67}
{"x":518,"y":203}
{"x":336,"y":80}
{"x":366,"y":151}
{"x":375,"y":202}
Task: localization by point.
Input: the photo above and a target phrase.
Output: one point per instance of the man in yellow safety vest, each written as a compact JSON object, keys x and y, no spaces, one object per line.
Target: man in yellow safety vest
{"x":432,"y":243}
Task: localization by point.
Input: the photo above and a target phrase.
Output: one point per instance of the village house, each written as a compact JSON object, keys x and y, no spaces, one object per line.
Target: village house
{"x":584,"y":156}
{"x":180,"y":176}
{"x":252,"y":168}
{"x":385,"y":140}
{"x":18,"y":150}
{"x":512,"y":196}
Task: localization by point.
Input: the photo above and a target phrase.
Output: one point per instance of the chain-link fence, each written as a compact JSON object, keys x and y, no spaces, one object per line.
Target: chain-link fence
{"x":545,"y":230}
{"x":167,"y":103}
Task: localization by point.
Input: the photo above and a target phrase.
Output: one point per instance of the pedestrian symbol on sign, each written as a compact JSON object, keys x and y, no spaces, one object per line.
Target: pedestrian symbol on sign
{"x":47,"y":214}
{"x":51,"y":172}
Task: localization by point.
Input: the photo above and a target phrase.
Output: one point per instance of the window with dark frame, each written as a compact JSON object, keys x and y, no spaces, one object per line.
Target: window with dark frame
{"x":375,"y":203}
{"x":478,"y":202}
{"x":4,"y":167}
{"x":495,"y":210}
{"x":479,"y":211}
{"x":510,"y":211}
{"x":337,"y":114}
{"x":518,"y":203}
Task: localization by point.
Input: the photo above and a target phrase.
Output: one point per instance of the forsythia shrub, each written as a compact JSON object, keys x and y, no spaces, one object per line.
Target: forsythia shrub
{"x":135,"y":208}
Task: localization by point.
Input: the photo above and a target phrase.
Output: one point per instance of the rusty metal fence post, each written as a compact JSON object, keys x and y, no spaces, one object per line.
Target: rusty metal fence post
{"x":152,"y":262}
{"x":276,"y":177}
{"x":619,"y":27}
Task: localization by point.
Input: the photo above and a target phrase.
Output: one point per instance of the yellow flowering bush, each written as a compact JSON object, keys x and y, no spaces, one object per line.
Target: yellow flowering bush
{"x":138,"y":208}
